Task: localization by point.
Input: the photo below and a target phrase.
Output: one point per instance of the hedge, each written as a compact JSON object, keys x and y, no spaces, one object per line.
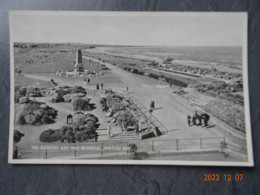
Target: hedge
{"x":66,"y":133}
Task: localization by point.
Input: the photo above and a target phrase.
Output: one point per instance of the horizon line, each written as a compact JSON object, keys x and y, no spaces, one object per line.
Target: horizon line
{"x":121,"y":45}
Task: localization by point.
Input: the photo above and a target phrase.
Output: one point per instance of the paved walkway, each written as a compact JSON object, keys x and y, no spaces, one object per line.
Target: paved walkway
{"x":174,"y":112}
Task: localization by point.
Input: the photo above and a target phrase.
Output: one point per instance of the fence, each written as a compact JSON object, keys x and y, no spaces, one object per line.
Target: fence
{"x":98,"y":149}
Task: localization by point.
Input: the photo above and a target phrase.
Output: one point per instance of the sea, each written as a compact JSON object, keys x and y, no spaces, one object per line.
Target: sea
{"x":214,"y":55}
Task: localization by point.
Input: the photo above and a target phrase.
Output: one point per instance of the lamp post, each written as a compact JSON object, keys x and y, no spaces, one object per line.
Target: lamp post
{"x":52,"y":52}
{"x":152,"y":108}
{"x":69,"y":119}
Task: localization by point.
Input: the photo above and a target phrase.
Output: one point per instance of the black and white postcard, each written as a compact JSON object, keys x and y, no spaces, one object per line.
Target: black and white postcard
{"x":150,"y":88}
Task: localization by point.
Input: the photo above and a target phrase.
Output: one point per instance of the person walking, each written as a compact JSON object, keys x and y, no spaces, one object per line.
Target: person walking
{"x":206,"y":120}
{"x":200,"y":120}
{"x":102,"y":86}
{"x":193,"y":120}
{"x":88,"y":80}
{"x":98,"y":86}
{"x":197,"y":116}
{"x":189,"y":120}
{"x":109,"y":130}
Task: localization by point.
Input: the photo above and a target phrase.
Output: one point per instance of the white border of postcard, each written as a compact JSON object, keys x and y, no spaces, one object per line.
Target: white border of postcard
{"x":243,"y":16}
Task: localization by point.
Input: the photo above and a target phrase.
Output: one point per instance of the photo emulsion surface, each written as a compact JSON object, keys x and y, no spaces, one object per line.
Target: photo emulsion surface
{"x":129,"y":88}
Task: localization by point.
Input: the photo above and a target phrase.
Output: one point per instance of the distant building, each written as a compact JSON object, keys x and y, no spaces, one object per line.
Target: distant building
{"x":78,"y":63}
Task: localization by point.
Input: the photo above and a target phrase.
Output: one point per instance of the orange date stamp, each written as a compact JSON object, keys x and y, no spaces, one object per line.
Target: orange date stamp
{"x":223,"y":177}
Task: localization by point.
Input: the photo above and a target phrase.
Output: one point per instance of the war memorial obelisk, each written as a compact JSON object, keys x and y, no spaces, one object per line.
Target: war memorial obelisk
{"x":78,"y":63}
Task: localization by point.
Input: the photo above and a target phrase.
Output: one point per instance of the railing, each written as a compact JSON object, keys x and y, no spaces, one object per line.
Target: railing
{"x":144,"y":111}
{"x":108,"y":148}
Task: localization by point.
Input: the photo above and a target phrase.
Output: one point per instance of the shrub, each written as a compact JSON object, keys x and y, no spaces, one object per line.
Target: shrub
{"x":116,"y":103}
{"x":47,"y":120}
{"x":110,"y":100}
{"x":21,"y":120}
{"x":78,"y":118}
{"x":17,"y":136}
{"x":70,"y":97}
{"x":82,"y":104}
{"x":103,"y":102}
{"x":30,"y":119}
{"x":19,"y":92}
{"x":77,"y":127}
{"x":64,"y":129}
{"x":17,"y":98}
{"x":90,"y":125}
{"x":81,"y":136}
{"x":78,"y":89}
{"x":57,"y":135}
{"x":33,"y":91}
{"x":61,"y":92}
{"x":69,"y":135}
{"x":46,"y":136}
{"x":86,"y":136}
{"x":53,"y":135}
{"x":57,"y":98}
{"x":16,"y":88}
{"x":154,"y":76}
{"x":118,"y":106}
{"x":91,"y":116}
{"x":176,"y":82}
{"x":87,"y":122}
{"x":126,"y":117}
{"x":35,"y":114}
{"x":22,"y":91}
{"x":84,"y":133}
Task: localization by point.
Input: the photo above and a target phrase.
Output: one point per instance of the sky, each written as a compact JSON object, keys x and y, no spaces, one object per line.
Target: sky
{"x":129,"y":28}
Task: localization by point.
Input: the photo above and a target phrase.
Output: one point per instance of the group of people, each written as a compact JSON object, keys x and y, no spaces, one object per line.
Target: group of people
{"x":101,"y":86}
{"x":87,"y":81}
{"x":198,"y":119}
